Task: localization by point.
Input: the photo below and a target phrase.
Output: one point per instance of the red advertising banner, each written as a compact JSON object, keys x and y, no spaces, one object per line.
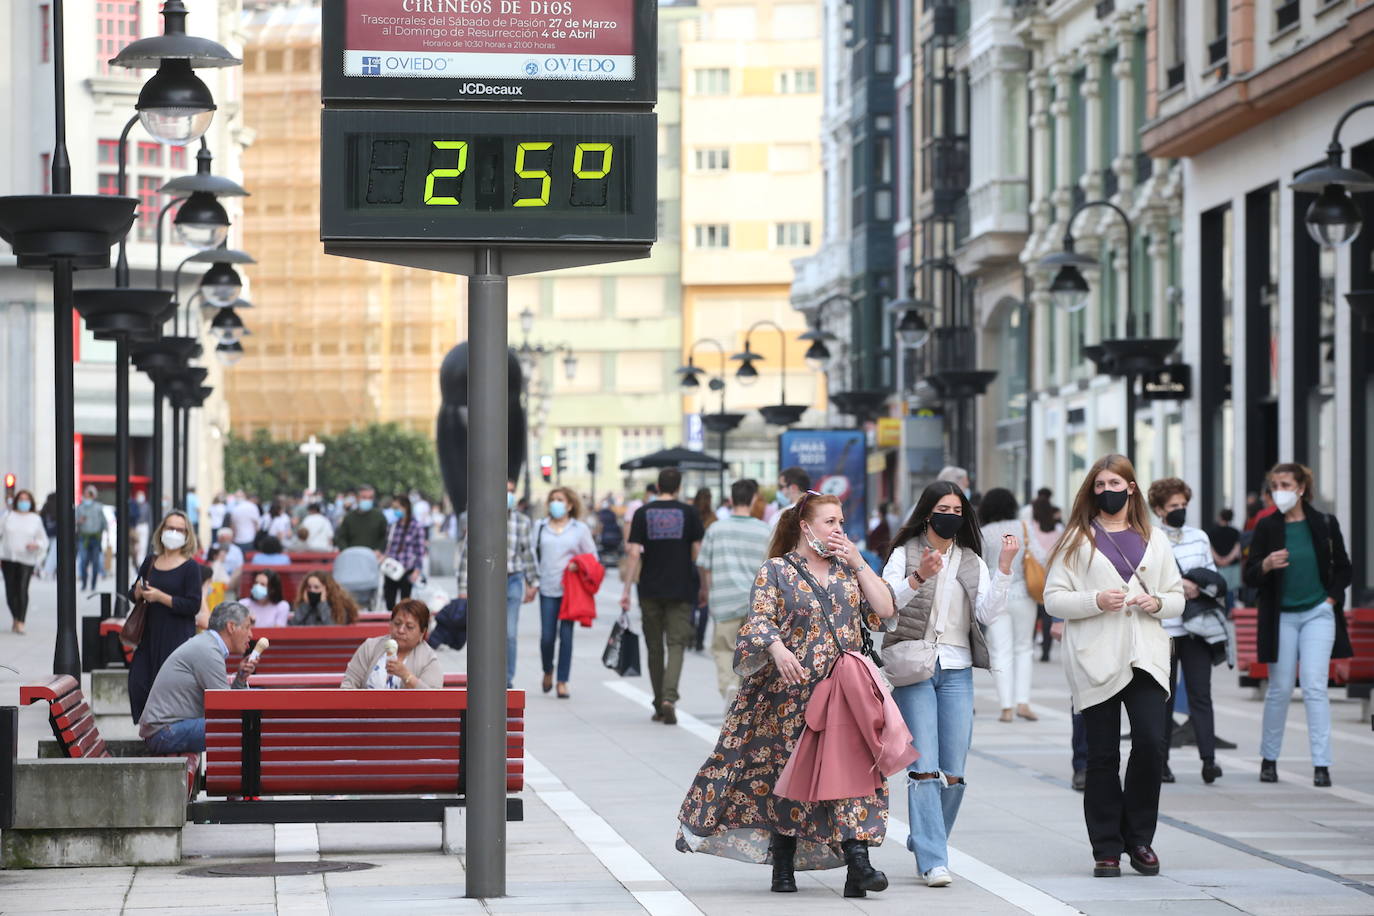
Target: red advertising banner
{"x":490,"y":39}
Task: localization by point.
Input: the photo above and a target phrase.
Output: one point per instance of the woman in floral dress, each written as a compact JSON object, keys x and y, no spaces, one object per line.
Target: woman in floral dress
{"x":784,"y":650}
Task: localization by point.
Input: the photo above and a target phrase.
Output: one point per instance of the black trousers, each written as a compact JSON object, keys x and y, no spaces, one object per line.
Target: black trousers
{"x":1194,"y":656}
{"x":395,"y":589}
{"x":1120,"y":815}
{"x":17,"y":576}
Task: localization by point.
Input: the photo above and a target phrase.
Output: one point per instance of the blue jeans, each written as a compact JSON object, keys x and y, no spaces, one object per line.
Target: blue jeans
{"x":1305,"y":641}
{"x":178,"y":738}
{"x":515,"y":595}
{"x":90,"y":561}
{"x":939,"y":715}
{"x":552,"y":630}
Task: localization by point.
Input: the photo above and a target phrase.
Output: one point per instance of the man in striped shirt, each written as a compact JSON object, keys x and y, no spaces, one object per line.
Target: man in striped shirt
{"x":522,"y":572}
{"x":731,"y":553}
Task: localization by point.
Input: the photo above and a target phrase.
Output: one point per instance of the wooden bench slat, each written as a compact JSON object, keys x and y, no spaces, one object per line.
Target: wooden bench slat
{"x":69,"y":719}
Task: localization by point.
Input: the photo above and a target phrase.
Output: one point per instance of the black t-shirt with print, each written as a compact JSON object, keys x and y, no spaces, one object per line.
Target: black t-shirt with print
{"x":666,"y":529}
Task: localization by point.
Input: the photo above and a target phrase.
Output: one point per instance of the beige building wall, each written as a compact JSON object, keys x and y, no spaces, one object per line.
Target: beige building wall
{"x":751,"y":126}
{"x":335,"y":342}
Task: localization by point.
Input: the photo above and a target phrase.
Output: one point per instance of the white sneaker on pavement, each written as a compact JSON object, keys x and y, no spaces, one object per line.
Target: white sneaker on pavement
{"x":938,"y":876}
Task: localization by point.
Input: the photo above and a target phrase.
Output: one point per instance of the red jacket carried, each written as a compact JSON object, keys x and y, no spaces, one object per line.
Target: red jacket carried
{"x":581,"y":580}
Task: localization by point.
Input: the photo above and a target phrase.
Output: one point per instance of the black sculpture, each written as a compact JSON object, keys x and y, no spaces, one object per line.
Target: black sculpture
{"x":452,"y":431}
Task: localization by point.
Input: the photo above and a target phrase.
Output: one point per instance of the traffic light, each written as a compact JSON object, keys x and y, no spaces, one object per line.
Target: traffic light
{"x":10,"y":481}
{"x":591,"y":462}
{"x":546,"y":467}
{"x":560,"y":461}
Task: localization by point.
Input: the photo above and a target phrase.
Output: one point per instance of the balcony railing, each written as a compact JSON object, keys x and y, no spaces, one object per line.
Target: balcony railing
{"x":1174,"y":75}
{"x":1105,"y":8}
{"x":1217,"y":49}
{"x":947,"y":171}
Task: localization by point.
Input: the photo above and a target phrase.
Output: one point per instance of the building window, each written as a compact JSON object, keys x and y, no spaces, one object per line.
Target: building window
{"x":178,"y":157}
{"x":149,"y":200}
{"x":711,"y":81}
{"x":44,"y":33}
{"x":107,"y":152}
{"x":149,"y":153}
{"x":116,"y":25}
{"x":1217,"y":46}
{"x":792,"y":235}
{"x":107,"y":184}
{"x":637,"y":441}
{"x":1178,"y":54}
{"x":711,"y":160}
{"x":797,"y":82}
{"x":711,"y":235}
{"x":1286,"y":14}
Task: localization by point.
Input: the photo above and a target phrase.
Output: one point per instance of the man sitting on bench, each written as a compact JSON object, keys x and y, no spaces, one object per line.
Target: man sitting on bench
{"x":173,"y":722}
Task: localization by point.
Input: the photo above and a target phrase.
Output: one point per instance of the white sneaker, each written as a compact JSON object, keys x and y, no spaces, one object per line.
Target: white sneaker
{"x":938,"y":876}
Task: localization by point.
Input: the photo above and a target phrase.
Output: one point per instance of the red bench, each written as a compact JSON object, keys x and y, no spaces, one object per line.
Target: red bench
{"x":310,"y":650}
{"x":73,"y":723}
{"x":401,"y":751}
{"x":1356,"y":673}
{"x":324,"y":681}
{"x":1359,"y":671}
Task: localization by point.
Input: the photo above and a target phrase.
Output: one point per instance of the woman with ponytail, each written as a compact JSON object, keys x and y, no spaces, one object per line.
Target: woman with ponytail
{"x":1112,"y":579}
{"x":812,"y":596}
{"x":943,"y":593}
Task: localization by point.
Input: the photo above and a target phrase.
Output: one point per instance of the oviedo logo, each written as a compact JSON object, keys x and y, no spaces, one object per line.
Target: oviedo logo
{"x":372,"y":66}
{"x":531,"y":68}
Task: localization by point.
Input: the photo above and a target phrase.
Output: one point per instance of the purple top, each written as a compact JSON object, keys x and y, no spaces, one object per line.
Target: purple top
{"x":1124,"y":548}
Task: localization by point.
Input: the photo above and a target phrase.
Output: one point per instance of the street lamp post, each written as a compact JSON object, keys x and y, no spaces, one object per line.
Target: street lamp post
{"x":1127,"y":357}
{"x":529,"y":355}
{"x":719,"y":422}
{"x":782,"y":413}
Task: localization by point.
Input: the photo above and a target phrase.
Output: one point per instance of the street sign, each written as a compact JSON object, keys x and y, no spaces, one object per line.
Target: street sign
{"x":1173,"y":382}
{"x":491,"y":51}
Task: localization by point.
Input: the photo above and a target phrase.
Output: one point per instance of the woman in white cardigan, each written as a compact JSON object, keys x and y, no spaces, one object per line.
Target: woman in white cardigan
{"x":1112,"y":579}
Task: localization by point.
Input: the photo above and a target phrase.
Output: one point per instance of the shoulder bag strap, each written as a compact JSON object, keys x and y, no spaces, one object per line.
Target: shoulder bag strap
{"x":822,"y":596}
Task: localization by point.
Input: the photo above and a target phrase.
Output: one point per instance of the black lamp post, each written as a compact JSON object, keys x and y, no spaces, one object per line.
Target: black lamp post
{"x":782,"y":413}
{"x":529,"y":355}
{"x":1126,"y":357}
{"x":63,"y":232}
{"x":719,"y":422}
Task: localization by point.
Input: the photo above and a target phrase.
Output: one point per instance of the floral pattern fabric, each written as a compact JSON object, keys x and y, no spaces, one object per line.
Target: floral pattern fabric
{"x":730,"y":809}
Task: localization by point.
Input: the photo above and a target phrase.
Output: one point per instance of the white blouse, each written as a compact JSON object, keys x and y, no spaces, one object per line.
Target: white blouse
{"x":987,"y":607}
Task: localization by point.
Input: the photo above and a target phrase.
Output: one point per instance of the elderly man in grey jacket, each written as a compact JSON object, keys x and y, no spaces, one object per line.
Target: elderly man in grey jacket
{"x":173,"y":721}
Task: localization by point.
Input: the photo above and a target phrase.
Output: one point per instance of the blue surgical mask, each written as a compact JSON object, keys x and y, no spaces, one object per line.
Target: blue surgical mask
{"x":23,"y":505}
{"x":558,"y":509}
{"x":510,"y":500}
{"x":259,"y":592}
{"x":365,"y":505}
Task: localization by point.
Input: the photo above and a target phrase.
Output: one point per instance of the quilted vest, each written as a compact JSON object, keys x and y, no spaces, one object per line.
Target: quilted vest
{"x":913,"y":617}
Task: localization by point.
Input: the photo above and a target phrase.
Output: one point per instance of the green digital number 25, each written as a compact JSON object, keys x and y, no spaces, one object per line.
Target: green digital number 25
{"x":456,"y":172}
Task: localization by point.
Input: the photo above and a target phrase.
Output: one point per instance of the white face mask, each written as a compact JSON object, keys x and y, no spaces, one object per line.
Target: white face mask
{"x":816,"y":543}
{"x":173,"y":540}
{"x":1285,"y":499}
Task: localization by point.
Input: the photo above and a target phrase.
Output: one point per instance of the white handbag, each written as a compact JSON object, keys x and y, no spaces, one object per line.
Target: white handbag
{"x":393,"y":569}
{"x":912,"y":661}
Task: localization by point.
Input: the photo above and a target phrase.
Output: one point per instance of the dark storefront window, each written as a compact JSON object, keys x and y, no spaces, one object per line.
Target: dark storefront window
{"x":1217,"y":444}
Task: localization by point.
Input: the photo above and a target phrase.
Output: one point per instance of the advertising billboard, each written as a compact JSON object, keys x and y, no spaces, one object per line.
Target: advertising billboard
{"x":836,"y":460}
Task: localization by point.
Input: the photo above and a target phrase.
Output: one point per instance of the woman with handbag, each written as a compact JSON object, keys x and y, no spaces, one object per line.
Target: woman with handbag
{"x":814,"y":595}
{"x":166,"y":601}
{"x":558,"y":539}
{"x":1299,"y":566}
{"x":1113,"y":581}
{"x":1011,"y":637}
{"x":405,"y":554}
{"x":943,"y":593}
{"x":1169,"y":498}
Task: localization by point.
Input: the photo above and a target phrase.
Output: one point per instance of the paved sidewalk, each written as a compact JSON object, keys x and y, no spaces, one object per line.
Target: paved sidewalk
{"x":605,"y":784}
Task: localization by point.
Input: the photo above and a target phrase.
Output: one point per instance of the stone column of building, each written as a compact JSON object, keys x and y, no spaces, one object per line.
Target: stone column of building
{"x":1093,"y":120}
{"x":1124,"y":166}
{"x":1062,"y":196}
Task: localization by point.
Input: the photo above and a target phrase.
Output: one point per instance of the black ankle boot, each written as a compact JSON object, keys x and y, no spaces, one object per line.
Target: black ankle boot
{"x":784,"y":850}
{"x":1269,"y":770}
{"x":862,"y":877}
{"x":1210,"y":771}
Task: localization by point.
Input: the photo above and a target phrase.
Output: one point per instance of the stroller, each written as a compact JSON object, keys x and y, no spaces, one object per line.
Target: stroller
{"x":357,"y":571}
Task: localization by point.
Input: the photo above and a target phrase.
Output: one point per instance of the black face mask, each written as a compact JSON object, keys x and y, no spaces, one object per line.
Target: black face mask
{"x":946,"y":525}
{"x":1110,"y":502}
{"x":1176,"y":518}
{"x":313,"y":598}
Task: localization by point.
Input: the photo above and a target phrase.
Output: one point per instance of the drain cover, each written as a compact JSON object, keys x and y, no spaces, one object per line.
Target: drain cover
{"x":272,"y":869}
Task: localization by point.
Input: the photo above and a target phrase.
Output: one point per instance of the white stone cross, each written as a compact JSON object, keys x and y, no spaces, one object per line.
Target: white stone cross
{"x":312,"y":450}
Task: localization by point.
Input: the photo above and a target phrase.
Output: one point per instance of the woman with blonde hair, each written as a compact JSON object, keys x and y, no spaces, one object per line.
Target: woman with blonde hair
{"x":557,"y":540}
{"x":1112,"y":579}
{"x":169,"y":585}
{"x":811,"y":599}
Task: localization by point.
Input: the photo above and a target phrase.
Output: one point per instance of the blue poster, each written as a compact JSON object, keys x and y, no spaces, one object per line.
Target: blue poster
{"x":837,"y":460}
